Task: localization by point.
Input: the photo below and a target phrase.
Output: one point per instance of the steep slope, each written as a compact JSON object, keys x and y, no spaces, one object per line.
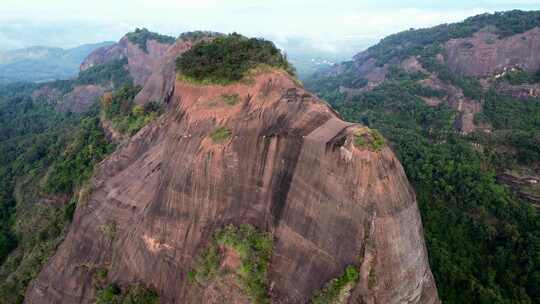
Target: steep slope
{"x":142,"y":48}
{"x":284,"y":163}
{"x":130,"y":61}
{"x":483,"y":48}
{"x":459,"y":102}
{"x":160,"y":84}
{"x":46,"y":157}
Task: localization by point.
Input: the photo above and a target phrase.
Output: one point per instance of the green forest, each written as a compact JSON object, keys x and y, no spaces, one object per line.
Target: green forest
{"x":227,"y":59}
{"x":44,"y":153}
{"x":483,"y":239}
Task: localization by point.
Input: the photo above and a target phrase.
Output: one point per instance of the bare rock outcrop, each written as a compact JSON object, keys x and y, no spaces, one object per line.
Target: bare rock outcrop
{"x":105,"y":55}
{"x":80,"y":99}
{"x":484,"y":54}
{"x":289,"y":167}
{"x":160,"y":83}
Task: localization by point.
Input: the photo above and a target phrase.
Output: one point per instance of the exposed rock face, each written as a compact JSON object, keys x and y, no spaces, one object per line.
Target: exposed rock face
{"x":484,"y":54}
{"x":290,"y":167}
{"x":160,"y":84}
{"x":105,"y":55}
{"x":466,"y":107}
{"x":141,"y":63}
{"x":158,"y":59}
{"x":80,"y":99}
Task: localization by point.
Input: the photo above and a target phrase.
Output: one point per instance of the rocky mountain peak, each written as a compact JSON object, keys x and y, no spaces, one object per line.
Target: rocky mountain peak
{"x":262,"y":152}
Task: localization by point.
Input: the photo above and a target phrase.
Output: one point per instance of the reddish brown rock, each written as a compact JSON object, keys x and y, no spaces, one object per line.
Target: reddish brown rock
{"x":141,"y":63}
{"x":80,"y":99}
{"x":290,"y":167}
{"x":485,"y":55}
{"x":160,"y":83}
{"x":105,"y":55}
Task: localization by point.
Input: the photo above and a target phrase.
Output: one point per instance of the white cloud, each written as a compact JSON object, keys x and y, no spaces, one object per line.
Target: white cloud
{"x":336,"y":26}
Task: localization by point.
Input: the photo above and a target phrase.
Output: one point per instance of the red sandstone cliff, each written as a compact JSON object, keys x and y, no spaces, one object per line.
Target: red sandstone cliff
{"x":141,"y":65}
{"x":290,"y":168}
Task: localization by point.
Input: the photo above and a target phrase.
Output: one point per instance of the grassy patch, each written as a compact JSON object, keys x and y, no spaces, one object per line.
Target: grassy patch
{"x":113,"y":294}
{"x":368,"y":138}
{"x":336,"y":291}
{"x":140,"y":295}
{"x":110,"y":294}
{"x":372,"y":280}
{"x":109,"y":230}
{"x":207,"y":265}
{"x":254,"y":249}
{"x":231,"y":100}
{"x":221,"y":134}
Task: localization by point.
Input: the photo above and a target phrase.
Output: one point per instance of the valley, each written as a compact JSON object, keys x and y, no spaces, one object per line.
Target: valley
{"x":200,"y":169}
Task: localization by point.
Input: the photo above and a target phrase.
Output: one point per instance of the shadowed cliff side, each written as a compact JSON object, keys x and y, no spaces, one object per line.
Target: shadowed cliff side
{"x":286,"y":164}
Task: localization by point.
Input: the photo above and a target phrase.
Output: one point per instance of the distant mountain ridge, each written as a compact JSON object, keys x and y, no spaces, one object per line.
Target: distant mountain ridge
{"x":42,"y":63}
{"x":460,"y":104}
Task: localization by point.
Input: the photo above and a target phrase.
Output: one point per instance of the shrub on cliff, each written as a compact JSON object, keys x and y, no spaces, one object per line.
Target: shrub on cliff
{"x":112,"y":294}
{"x":125,"y":115}
{"x":254,"y":249}
{"x":197,"y":35}
{"x":76,"y":164}
{"x":337,"y":290}
{"x":228,"y":59}
{"x":141,"y":36}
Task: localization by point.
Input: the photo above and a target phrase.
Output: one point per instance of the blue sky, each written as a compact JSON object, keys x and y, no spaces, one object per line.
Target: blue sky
{"x":339,"y":26}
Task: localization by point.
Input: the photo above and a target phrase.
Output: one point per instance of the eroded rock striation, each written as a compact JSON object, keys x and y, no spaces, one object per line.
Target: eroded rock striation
{"x":485,"y":54}
{"x":289,"y":166}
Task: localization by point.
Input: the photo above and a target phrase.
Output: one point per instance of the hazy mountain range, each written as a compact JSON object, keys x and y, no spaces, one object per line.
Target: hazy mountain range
{"x":41,"y":63}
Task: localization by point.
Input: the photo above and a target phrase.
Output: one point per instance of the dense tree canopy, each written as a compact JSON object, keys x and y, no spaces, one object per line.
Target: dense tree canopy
{"x":227,"y":59}
{"x":482,"y":239}
{"x":413,"y":42}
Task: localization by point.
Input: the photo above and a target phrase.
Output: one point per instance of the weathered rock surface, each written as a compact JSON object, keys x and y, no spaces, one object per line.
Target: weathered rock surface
{"x":290,"y":167}
{"x":78,"y":100}
{"x":81,"y":98}
{"x":141,"y":63}
{"x":160,"y":83}
{"x":484,"y":54}
{"x":105,"y":55}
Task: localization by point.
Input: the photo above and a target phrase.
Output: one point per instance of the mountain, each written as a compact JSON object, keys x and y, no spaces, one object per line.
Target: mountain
{"x":460,"y":104}
{"x":218,"y":178}
{"x":40,"y":64}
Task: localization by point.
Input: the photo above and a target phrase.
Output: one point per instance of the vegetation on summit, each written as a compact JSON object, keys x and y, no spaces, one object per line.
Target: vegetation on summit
{"x":413,"y":42}
{"x":140,"y":38}
{"x":228,"y":59}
